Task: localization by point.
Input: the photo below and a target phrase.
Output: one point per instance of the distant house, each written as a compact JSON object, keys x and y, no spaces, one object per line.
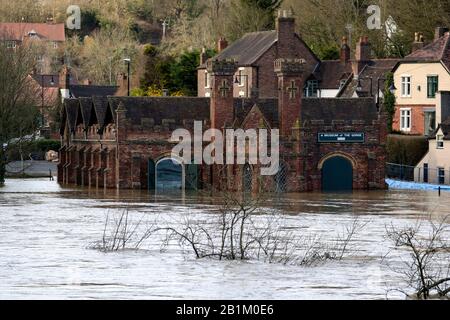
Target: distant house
{"x":418,"y":78}
{"x":255,"y":53}
{"x":435,"y":165}
{"x":52,"y":34}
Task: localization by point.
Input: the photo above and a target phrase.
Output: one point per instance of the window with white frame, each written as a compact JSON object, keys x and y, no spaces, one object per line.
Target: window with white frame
{"x":241,"y":77}
{"x":440,"y":141}
{"x":406,"y":86}
{"x":311,"y":88}
{"x":207,"y":79}
{"x":405,"y":119}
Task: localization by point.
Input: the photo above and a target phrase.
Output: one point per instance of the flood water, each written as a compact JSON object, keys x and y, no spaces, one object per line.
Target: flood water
{"x":46,"y":231}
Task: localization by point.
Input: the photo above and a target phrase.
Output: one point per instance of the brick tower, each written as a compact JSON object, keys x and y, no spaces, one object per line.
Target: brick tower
{"x":290,"y":90}
{"x":222,"y":110}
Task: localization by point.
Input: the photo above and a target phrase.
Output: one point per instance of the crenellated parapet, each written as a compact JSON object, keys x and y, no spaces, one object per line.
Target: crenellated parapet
{"x":222,"y":67}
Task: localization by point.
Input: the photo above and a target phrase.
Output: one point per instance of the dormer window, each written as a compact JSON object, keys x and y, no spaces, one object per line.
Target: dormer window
{"x":440,"y":141}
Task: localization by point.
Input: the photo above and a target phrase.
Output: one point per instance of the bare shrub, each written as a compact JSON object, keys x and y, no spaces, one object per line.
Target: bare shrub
{"x":121,"y":232}
{"x":427,"y":269}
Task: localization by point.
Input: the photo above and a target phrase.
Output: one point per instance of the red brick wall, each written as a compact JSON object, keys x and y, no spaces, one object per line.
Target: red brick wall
{"x":417,"y":118}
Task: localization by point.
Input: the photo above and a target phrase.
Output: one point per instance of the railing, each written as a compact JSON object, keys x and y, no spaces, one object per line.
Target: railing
{"x":422,"y":174}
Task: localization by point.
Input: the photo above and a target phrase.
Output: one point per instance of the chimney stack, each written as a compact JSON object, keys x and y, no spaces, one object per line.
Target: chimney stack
{"x":345,"y":51}
{"x":418,"y":41}
{"x":222,"y":44}
{"x":64,"y":78}
{"x":362,"y":55}
{"x":440,"y":32}
{"x":203,"y":56}
{"x":286,"y":32}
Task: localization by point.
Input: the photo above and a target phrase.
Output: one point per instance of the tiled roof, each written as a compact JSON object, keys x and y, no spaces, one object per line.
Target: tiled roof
{"x":160,"y":108}
{"x":375,"y":69}
{"x":79,"y":91}
{"x":438,"y":50}
{"x":249,"y":48}
{"x":331,"y":72}
{"x":46,"y":31}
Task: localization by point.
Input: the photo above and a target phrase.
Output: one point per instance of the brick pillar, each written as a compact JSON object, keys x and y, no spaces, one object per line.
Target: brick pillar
{"x":123,"y":166}
{"x":290,"y":91}
{"x":222,"y":109}
{"x":61,"y":164}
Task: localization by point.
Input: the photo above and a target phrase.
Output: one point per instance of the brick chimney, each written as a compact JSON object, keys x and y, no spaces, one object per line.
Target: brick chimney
{"x":286,"y":33}
{"x":222,"y":44}
{"x":290,"y":91}
{"x":222,"y":101}
{"x":64,"y":82}
{"x":345,"y":51}
{"x":203,"y":56}
{"x":362,"y":55}
{"x":440,"y":32}
{"x":418,"y":41}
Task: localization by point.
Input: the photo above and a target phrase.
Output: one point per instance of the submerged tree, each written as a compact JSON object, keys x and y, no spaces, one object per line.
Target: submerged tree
{"x":18,"y":100}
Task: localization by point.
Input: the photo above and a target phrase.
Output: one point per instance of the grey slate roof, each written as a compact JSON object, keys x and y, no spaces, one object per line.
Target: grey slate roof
{"x":161,"y":108}
{"x":82,"y":91}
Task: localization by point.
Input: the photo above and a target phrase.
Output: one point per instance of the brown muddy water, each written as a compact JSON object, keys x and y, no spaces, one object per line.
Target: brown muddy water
{"x":46,"y":230}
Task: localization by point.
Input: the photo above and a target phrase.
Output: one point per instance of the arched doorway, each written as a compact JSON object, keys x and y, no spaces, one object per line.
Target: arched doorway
{"x":337,"y":174}
{"x":169,"y":175}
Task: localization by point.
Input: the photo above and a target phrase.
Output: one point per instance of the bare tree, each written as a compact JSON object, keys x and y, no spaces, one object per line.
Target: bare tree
{"x":18,"y":100}
{"x":427,"y":269}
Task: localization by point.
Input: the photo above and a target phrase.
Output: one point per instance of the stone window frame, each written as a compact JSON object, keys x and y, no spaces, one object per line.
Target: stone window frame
{"x":402,"y":127}
{"x":406,"y":84}
{"x":207,"y":80}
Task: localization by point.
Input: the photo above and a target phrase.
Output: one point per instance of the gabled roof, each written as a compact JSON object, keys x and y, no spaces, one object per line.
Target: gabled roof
{"x":71,"y":112}
{"x":331,"y":72}
{"x":375,"y":69}
{"x":80,"y":91}
{"x":437,"y":51}
{"x":45,"y":31}
{"x":100,"y":106}
{"x":445,"y":127}
{"x":267,"y":106}
{"x":248,"y":49}
{"x":86,"y":106}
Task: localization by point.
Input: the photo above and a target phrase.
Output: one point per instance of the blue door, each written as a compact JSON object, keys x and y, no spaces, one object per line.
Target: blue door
{"x":169,"y":175}
{"x":337,"y":175}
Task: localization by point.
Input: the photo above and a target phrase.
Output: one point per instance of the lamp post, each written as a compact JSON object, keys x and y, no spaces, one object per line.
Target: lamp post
{"x":128,"y":62}
{"x":392,"y":89}
{"x":238,"y":81}
{"x":359,"y":86}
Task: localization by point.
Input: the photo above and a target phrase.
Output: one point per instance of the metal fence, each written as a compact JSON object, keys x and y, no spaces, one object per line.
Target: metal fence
{"x":422,"y":174}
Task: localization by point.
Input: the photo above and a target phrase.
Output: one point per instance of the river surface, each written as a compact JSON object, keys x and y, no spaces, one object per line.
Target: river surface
{"x":46,"y":232}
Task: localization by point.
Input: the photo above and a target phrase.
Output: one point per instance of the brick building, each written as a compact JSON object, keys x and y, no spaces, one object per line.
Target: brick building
{"x":325,"y":144}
